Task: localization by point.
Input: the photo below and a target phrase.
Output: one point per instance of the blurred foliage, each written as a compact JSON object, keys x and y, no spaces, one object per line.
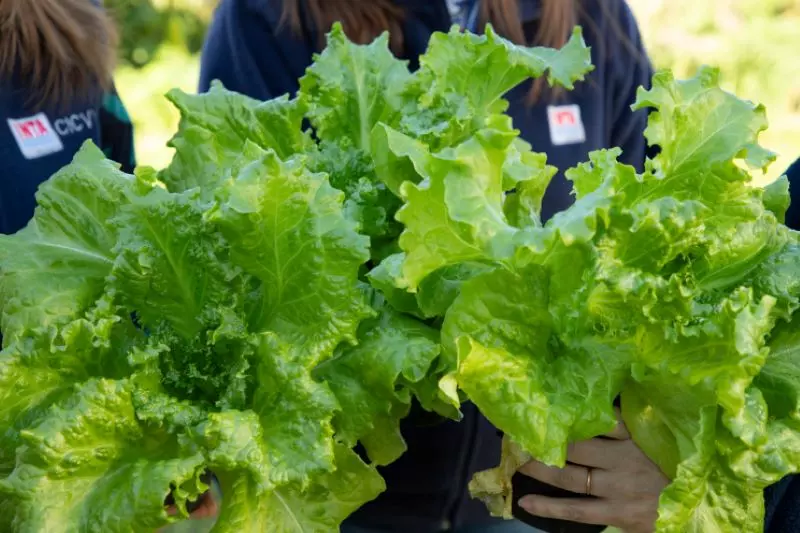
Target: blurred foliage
{"x":753,"y":42}
{"x":142,"y":90}
{"x":146,"y":26}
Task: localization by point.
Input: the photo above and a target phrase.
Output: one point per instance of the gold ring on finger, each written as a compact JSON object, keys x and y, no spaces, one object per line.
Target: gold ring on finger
{"x":589,"y":481}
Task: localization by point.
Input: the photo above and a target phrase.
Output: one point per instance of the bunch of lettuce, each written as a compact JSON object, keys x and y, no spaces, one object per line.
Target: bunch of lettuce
{"x":676,"y":290}
{"x":219,"y":315}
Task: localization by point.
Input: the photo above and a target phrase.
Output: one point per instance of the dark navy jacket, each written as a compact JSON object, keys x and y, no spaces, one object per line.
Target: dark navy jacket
{"x":35,"y":143}
{"x":249,"y":53}
{"x":793,"y":214}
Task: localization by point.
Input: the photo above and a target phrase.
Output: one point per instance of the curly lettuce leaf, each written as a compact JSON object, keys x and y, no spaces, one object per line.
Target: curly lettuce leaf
{"x":54,"y":269}
{"x":319,"y":508}
{"x":777,"y":198}
{"x":351,"y":88}
{"x":216,"y":127}
{"x":456,"y":214}
{"x":286,"y":228}
{"x":374,"y":381}
{"x":169,"y":263}
{"x":529,"y":175}
{"x":295,"y":414}
{"x":90,"y":465}
{"x":698,"y":126}
{"x":38,"y":373}
{"x":546,"y":391}
{"x":463,"y":77}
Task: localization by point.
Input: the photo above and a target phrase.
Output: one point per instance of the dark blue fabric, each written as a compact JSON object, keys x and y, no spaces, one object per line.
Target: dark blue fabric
{"x":783,"y":506}
{"x":793,"y":214}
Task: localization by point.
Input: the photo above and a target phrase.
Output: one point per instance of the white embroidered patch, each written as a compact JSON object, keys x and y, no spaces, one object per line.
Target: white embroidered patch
{"x":35,"y":136}
{"x":566,"y":125}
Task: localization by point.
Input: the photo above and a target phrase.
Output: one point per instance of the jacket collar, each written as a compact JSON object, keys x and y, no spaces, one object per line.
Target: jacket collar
{"x":530,"y":10}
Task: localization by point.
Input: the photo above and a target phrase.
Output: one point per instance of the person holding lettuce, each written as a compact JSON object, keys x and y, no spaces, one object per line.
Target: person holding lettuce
{"x":623,"y":480}
{"x":262,"y":47}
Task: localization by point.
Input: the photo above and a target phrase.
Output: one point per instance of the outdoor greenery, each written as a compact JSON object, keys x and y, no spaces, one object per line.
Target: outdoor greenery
{"x":148,"y":24}
{"x":752,"y":41}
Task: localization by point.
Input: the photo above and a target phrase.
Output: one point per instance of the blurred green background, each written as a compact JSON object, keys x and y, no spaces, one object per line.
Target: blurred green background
{"x":750,"y":40}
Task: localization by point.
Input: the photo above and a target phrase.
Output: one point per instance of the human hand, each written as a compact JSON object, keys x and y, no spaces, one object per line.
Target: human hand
{"x":625,"y":483}
{"x":205,"y":507}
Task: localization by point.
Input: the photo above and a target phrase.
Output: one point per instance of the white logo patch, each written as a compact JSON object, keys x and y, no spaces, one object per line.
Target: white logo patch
{"x":35,"y":136}
{"x":566,"y":125}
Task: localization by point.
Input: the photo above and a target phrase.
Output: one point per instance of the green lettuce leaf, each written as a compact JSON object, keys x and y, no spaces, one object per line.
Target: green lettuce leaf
{"x":374,"y":380}
{"x":547,"y":392}
{"x":456,"y":214}
{"x":285,"y":227}
{"x":54,"y":270}
{"x":351,"y":88}
{"x":169,"y":265}
{"x":463,"y":77}
{"x":777,"y":198}
{"x":90,"y":465}
{"x":224,"y":123}
{"x":319,"y":508}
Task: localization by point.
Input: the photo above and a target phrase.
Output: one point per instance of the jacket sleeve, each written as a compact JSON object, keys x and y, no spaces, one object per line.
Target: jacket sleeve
{"x":793,"y":214}
{"x":245,"y":51}
{"x":782,"y":512}
{"x":631,"y":69}
{"x":116,"y":132}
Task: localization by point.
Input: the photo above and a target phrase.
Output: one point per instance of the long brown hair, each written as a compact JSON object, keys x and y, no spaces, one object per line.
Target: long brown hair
{"x":61,"y":49}
{"x":363,"y":20}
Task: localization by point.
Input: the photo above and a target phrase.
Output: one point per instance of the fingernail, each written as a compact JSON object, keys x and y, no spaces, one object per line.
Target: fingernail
{"x":525,"y":502}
